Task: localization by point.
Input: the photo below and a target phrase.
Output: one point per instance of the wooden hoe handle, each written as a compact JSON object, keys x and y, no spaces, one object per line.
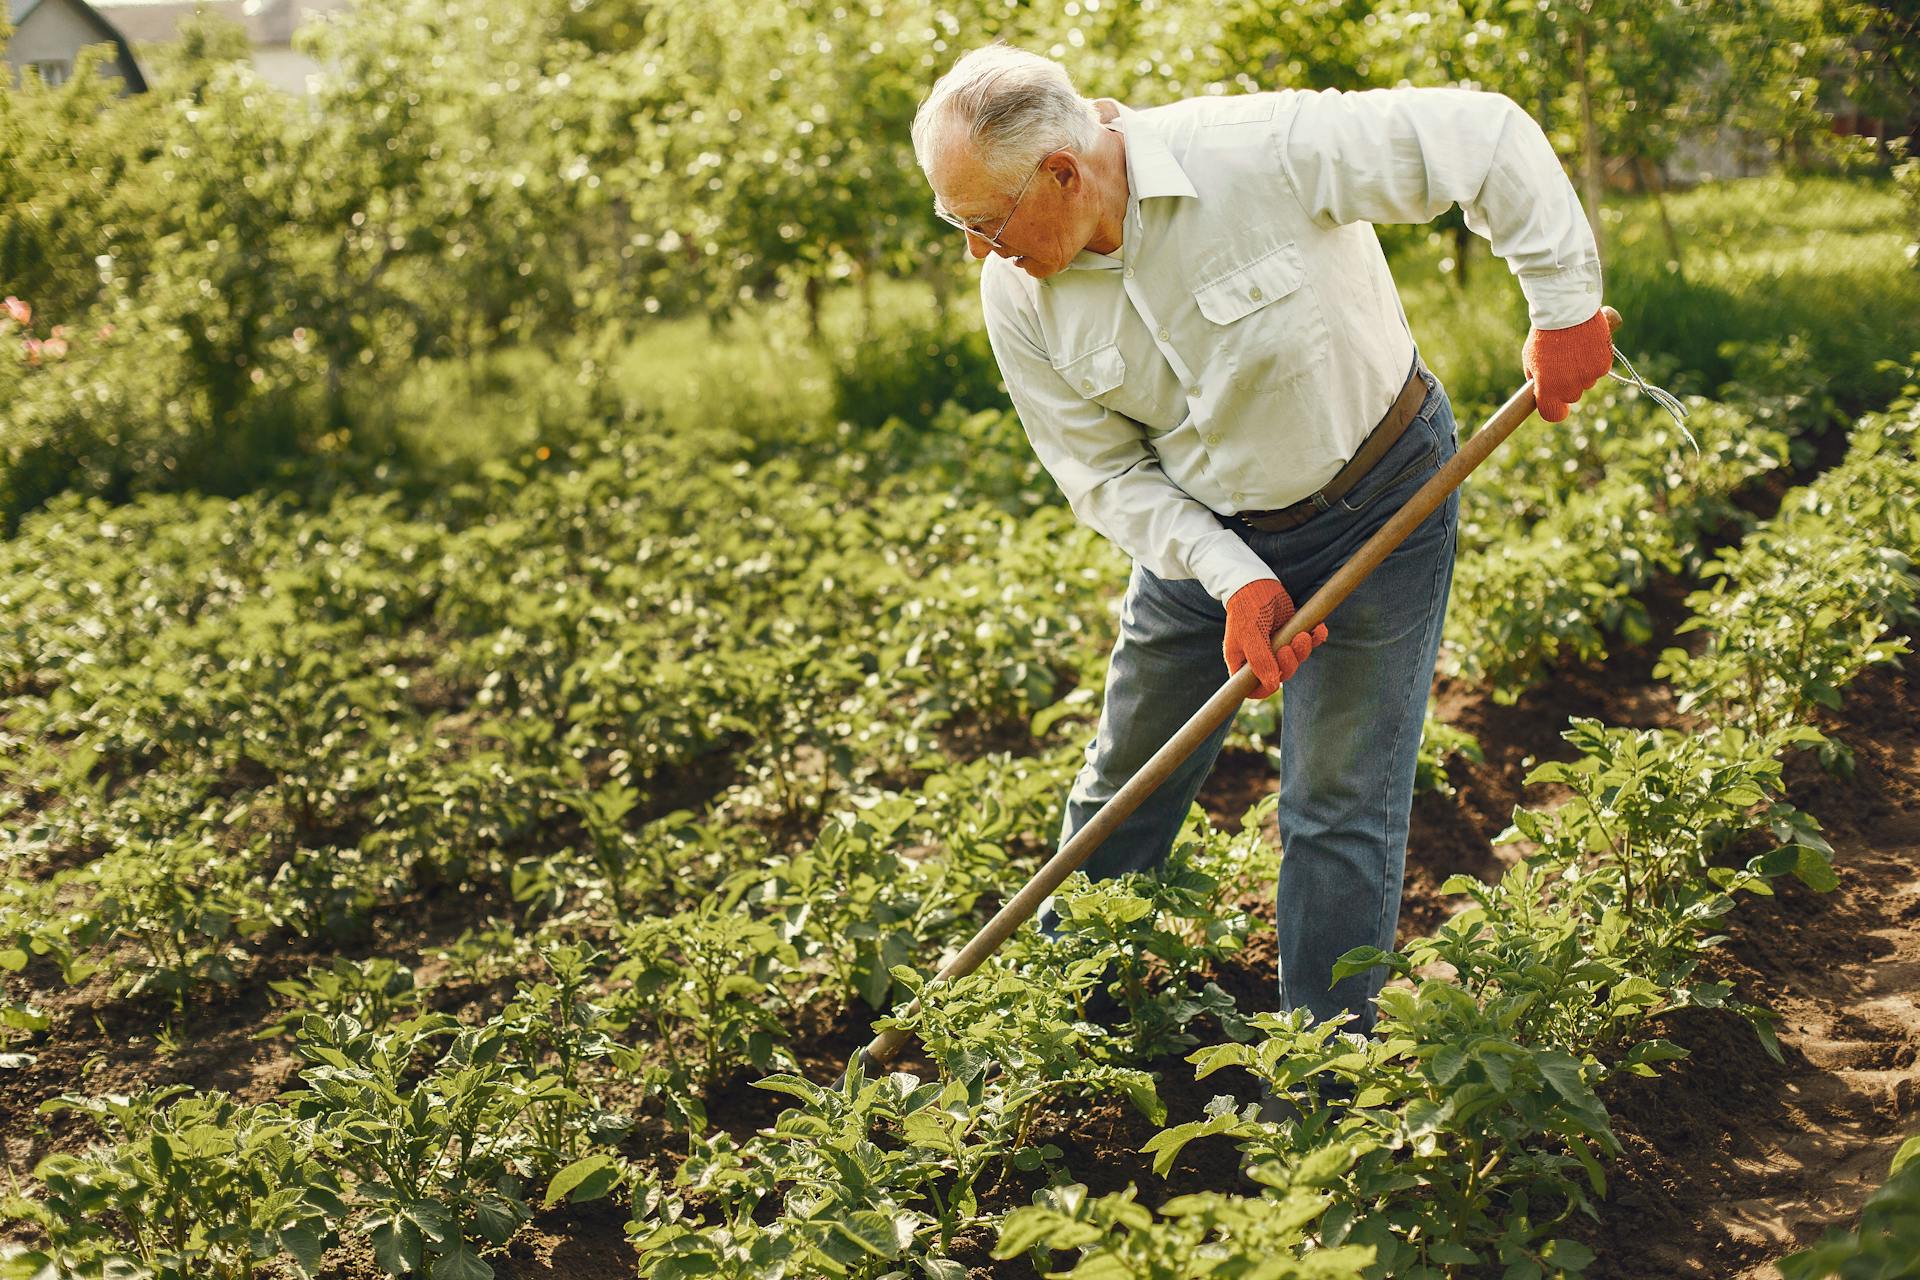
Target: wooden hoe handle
{"x":1222,"y":705}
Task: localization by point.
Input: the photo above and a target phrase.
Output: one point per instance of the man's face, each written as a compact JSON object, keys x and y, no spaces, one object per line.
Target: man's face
{"x":1040,"y":225}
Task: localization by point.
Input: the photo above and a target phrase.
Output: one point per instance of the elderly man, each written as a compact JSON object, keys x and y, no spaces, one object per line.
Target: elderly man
{"x":1199,"y":331}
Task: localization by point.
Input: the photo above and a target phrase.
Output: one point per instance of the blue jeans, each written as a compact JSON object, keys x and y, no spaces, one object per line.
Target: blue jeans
{"x":1349,"y":732}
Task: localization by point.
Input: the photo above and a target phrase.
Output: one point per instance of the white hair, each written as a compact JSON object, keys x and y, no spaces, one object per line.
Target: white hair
{"x":1014,"y":107}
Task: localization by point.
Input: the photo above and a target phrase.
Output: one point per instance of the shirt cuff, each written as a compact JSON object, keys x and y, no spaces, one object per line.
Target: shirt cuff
{"x":1224,"y":564}
{"x":1564,"y":298}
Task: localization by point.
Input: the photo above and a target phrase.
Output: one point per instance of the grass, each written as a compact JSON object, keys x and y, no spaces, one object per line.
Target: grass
{"x":1763,"y":259}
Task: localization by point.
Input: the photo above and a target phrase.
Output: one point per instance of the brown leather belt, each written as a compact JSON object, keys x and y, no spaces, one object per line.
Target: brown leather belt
{"x":1388,"y":430}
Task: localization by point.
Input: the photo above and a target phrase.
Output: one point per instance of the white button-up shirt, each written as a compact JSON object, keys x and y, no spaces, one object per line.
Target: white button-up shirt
{"x":1245,"y":337}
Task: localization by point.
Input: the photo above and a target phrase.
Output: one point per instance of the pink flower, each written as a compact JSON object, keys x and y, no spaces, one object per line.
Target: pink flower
{"x":20,"y":311}
{"x":59,"y":331}
{"x":33,"y":351}
{"x":55,"y":347}
{"x":106,"y":331}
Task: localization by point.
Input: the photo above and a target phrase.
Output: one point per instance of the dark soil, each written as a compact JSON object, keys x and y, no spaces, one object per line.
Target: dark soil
{"x":1732,"y":1159}
{"x":99,"y":1043}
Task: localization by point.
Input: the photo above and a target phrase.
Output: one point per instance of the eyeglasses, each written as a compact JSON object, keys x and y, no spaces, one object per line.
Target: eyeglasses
{"x":1001,"y":230}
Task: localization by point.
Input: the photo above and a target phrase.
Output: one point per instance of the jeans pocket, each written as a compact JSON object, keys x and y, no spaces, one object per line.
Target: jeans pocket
{"x":1415,"y":453}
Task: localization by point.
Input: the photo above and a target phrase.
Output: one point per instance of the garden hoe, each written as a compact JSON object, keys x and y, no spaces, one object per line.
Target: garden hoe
{"x":1222,"y":705}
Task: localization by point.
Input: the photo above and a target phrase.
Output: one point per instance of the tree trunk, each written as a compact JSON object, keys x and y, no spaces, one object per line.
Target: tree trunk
{"x":1657,"y":183}
{"x":812,"y":293}
{"x":1462,"y":246}
{"x":622,"y":242}
{"x":1590,"y":136}
{"x":336,"y":395}
{"x":866,"y":297}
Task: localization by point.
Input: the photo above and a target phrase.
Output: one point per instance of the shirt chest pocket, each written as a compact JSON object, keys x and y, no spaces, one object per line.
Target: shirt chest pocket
{"x":1268,"y":328}
{"x":1100,"y":375}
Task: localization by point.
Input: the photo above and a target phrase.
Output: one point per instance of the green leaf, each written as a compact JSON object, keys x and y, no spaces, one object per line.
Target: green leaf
{"x":461,"y":1264}
{"x":307,"y":1245}
{"x":397,"y":1244}
{"x":1596,"y":1176}
{"x":1165,"y":1146}
{"x":585,"y":1179}
{"x":1321,"y":1166}
{"x":1708,"y":995}
{"x":1763,"y":1028}
{"x":1361,"y":959}
{"x":1568,"y":1254}
{"x":1023,"y":1229}
{"x":878,"y":1234}
{"x":1563,"y":1073}
{"x":796,"y":1086}
{"x":1814,"y":869}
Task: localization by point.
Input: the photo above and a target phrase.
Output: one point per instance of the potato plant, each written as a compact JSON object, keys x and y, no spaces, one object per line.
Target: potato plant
{"x":369,"y":991}
{"x":707,"y":984}
{"x":1801,"y":607}
{"x":843,"y":1199}
{"x":440,"y":1127}
{"x":1213,"y":1235}
{"x":185,"y":1186}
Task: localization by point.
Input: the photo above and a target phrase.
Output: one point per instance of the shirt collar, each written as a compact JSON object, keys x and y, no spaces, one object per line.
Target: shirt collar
{"x":1151,"y":172}
{"x":1151,"y":169}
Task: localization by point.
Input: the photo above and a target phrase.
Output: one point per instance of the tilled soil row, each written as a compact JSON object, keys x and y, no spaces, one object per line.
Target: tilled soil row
{"x":1733,"y":1160}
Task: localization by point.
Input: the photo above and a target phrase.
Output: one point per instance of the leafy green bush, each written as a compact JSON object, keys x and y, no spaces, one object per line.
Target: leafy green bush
{"x":1906,"y":179}
{"x":114,"y":403}
{"x":910,"y":370}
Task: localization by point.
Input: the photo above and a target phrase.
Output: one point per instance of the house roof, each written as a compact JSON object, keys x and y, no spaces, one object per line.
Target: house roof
{"x":17,"y":11}
{"x":265,"y":21}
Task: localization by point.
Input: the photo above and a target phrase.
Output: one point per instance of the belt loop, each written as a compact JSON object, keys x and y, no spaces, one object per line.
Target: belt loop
{"x":1319,"y":501}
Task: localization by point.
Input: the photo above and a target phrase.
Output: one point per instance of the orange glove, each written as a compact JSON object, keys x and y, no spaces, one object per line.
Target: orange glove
{"x":1563,"y":363}
{"x":1255,"y":614}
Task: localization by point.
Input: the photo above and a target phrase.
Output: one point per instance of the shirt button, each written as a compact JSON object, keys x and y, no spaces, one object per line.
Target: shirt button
{"x":1213,"y":437}
{"x":1164,"y":335}
{"x":1238,"y":496}
{"x":1255,"y":295}
{"x":1086,"y":384}
{"x":1194,"y":391}
{"x":1128,"y":273}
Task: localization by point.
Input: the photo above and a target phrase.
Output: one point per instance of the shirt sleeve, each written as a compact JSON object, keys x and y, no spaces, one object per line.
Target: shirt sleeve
{"x":1102,"y":463}
{"x":1406,"y":155}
